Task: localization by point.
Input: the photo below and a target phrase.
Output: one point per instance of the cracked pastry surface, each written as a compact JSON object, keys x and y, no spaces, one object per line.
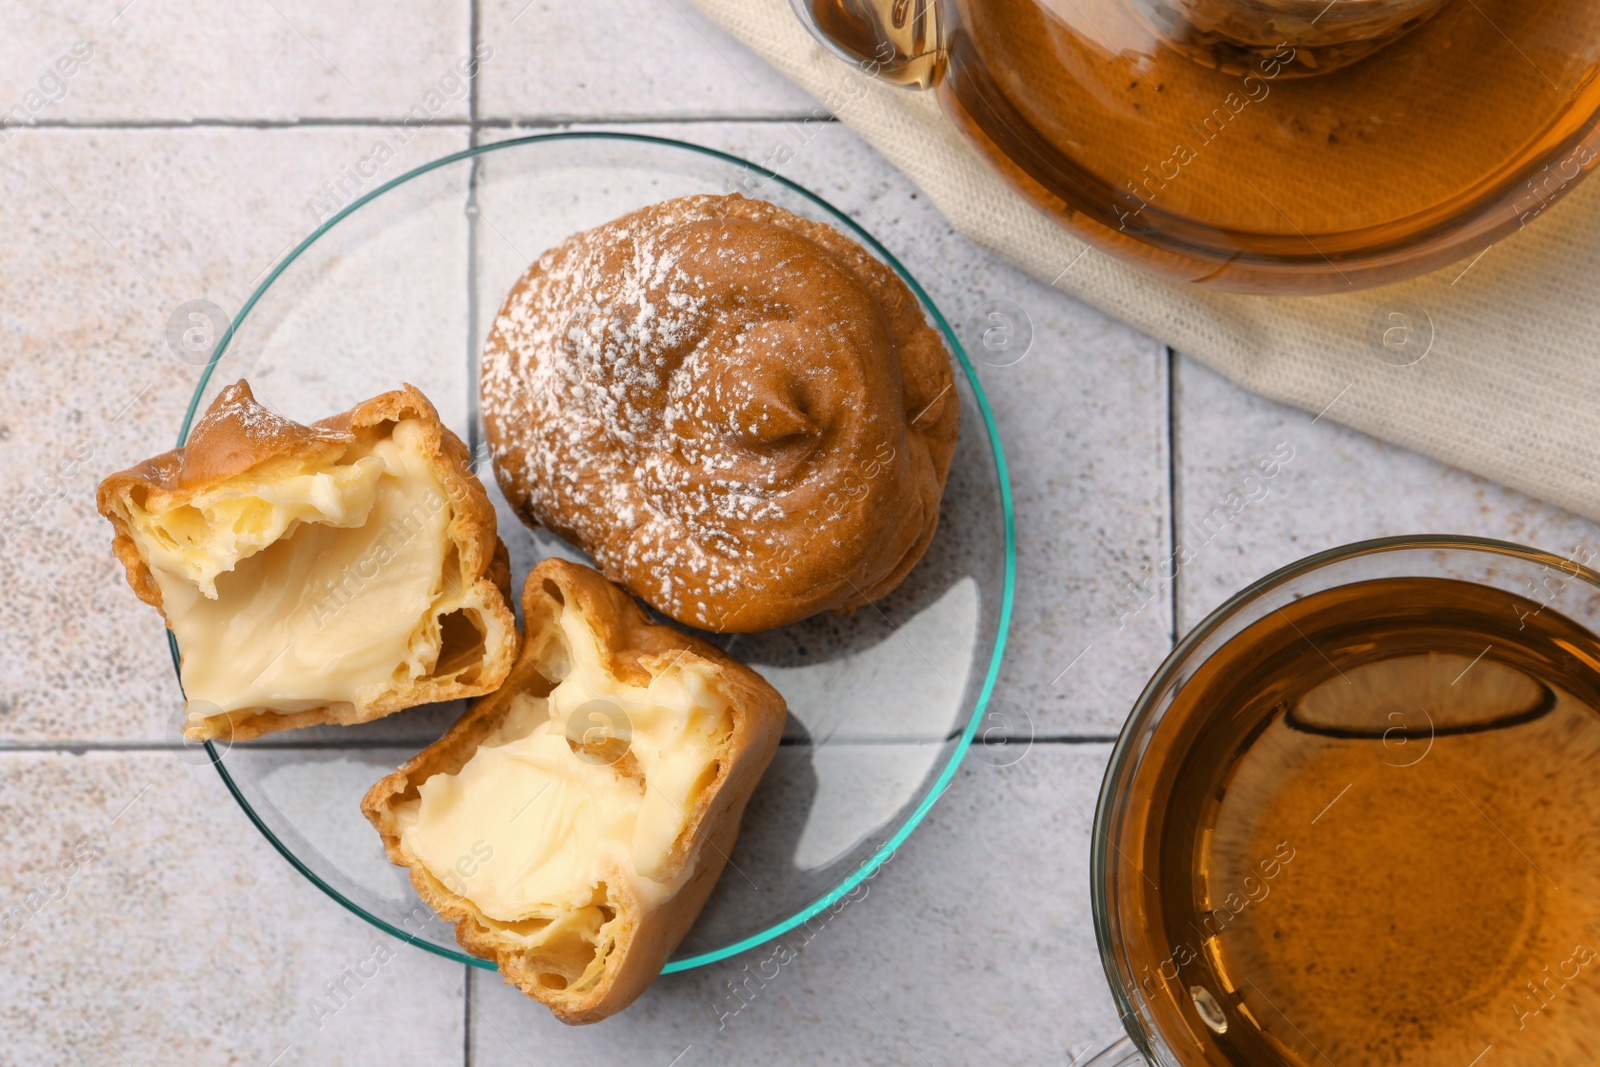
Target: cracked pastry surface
{"x":572,"y":824}
{"x":739,"y":413}
{"x":335,"y":572}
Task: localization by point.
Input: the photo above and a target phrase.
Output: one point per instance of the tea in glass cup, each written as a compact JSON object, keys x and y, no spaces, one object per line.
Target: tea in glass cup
{"x":1355,"y":819}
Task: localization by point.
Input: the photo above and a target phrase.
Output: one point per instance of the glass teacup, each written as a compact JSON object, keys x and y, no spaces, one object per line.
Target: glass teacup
{"x":1352,"y":818}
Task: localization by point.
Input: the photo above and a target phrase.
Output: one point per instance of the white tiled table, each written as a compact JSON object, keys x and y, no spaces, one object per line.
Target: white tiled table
{"x":178,"y":165}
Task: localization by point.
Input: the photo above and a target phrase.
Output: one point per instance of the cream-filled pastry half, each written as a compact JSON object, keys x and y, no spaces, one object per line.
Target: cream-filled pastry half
{"x":572,"y":824}
{"x":335,"y":572}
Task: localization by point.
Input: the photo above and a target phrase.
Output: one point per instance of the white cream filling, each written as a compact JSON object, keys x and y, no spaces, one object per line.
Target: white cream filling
{"x":321,"y":588}
{"x":209,"y":533}
{"x":532,"y":828}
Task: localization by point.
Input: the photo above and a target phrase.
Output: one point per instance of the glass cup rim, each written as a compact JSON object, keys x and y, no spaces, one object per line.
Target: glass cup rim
{"x":1144,"y":712}
{"x":991,"y":430}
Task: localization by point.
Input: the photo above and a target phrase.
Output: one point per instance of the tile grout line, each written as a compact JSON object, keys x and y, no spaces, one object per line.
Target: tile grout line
{"x":1172,"y":486}
{"x":77,"y":748}
{"x":362,"y":121}
{"x":219,"y":122}
{"x":473,"y":413}
{"x":1077,"y":739}
{"x":474,"y":38}
{"x":503,"y":123}
{"x":466,"y":1016}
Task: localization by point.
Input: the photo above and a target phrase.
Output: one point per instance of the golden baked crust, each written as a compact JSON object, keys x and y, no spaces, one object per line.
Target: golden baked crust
{"x":739,"y":413}
{"x":239,"y":443}
{"x":640,"y":938}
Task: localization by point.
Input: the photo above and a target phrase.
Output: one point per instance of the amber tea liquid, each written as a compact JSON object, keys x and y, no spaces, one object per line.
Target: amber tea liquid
{"x":1373,"y":837}
{"x":1288,"y":165}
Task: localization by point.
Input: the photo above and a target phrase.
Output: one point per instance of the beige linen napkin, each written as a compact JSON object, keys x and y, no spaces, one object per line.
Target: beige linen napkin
{"x":1508,"y":383}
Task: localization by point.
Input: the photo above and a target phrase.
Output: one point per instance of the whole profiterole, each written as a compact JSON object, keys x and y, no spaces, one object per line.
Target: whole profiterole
{"x":739,"y":413}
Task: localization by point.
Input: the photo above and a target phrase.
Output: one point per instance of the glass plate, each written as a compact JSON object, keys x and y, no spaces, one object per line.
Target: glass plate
{"x":402,"y":284}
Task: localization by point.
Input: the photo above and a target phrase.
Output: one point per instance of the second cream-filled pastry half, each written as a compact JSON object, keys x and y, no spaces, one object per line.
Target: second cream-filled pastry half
{"x":572,"y":824}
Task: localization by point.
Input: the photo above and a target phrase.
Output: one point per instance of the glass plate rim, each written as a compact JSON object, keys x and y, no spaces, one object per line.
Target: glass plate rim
{"x":1002,"y":626}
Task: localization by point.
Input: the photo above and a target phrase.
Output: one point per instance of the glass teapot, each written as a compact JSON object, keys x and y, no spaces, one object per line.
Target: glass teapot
{"x":1270,"y":146}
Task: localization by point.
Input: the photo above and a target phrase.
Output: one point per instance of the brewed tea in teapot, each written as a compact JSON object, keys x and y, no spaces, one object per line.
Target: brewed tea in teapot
{"x":1283,"y":146}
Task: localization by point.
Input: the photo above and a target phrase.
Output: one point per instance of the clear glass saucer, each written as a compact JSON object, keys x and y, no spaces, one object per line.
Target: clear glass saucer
{"x":401,"y":285}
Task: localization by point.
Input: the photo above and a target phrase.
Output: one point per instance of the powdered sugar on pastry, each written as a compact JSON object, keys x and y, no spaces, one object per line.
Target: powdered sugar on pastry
{"x":715,"y":398}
